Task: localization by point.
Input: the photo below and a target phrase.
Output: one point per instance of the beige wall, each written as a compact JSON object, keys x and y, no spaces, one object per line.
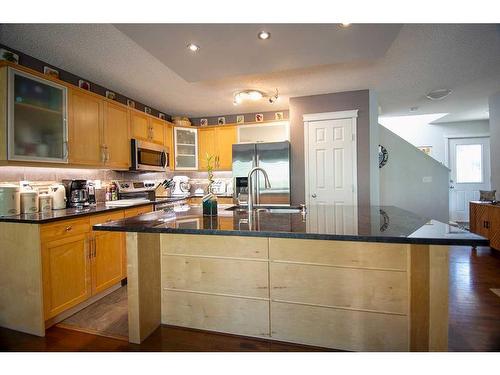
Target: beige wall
{"x":342,"y":101}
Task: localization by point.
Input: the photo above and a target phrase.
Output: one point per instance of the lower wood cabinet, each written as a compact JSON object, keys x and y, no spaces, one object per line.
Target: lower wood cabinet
{"x":78,"y":263}
{"x":485,"y":221}
{"x":66,"y":273}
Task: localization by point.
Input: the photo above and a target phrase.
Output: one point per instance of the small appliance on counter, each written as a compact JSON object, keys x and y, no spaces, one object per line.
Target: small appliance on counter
{"x":29,"y":201}
{"x":181,"y":186}
{"x":77,"y":193}
{"x":10,"y":201}
{"x":58,"y":193}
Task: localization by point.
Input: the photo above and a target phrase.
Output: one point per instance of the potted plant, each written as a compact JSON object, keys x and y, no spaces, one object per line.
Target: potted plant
{"x":210,"y":199}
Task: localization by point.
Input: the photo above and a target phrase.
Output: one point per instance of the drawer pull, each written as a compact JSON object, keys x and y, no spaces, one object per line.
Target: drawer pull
{"x":68,"y":228}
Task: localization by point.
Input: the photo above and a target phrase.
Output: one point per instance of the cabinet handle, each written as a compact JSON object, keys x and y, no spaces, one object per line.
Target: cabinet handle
{"x":95,"y":249}
{"x":68,"y":228}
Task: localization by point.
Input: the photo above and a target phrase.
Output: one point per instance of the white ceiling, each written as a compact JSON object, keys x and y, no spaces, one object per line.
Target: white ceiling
{"x":464,"y":58}
{"x":234,"y":50}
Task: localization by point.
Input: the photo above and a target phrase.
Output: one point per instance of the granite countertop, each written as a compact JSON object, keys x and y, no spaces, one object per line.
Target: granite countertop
{"x":70,"y":213}
{"x":367,"y":224}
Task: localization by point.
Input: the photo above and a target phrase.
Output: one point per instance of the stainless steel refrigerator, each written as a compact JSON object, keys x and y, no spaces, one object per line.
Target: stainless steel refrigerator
{"x":274,"y":157}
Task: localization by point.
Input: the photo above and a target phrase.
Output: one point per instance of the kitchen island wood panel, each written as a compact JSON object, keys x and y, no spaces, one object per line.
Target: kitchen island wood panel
{"x":241,"y":316}
{"x":339,"y":329}
{"x":336,"y":294}
{"x":217,"y":276}
{"x":355,"y":289}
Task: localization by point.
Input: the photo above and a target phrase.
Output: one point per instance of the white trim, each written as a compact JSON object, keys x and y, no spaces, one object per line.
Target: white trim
{"x":457,"y":136}
{"x":333,"y":116}
{"x":330,"y":115}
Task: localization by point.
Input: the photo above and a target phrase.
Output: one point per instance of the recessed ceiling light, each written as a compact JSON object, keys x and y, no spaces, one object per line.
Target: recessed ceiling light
{"x":438,"y":94}
{"x":264,"y":35}
{"x":345,"y":24}
{"x":193,"y":47}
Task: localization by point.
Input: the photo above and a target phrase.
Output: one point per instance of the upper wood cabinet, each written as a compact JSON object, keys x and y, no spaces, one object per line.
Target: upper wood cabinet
{"x":147,"y":128}
{"x":206,"y":145}
{"x":225,"y":138}
{"x":217,"y":141}
{"x":169,"y":143}
{"x":85,"y":127}
{"x":139,"y":123}
{"x":157,"y":127}
{"x":186,"y":148}
{"x":116,"y":136}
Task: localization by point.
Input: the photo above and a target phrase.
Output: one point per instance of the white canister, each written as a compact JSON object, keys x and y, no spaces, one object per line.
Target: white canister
{"x":58,"y":193}
{"x":45,"y":202}
{"x":29,"y":202}
{"x":10,"y":203}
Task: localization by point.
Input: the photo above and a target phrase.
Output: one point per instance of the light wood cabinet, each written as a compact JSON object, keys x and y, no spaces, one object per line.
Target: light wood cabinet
{"x":116,"y":136}
{"x":78,"y":263}
{"x":169,"y":144}
{"x":157,"y":127}
{"x":225,"y":138}
{"x":147,"y":128}
{"x":206,"y":145}
{"x":108,"y":254}
{"x":85,"y":127}
{"x":139,"y":125}
{"x":66,"y":273}
{"x":217,"y":141}
{"x":485,"y":221}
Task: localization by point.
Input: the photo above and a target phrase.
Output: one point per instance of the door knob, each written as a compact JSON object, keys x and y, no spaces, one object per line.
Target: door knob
{"x":313,"y":195}
{"x":452,"y":187}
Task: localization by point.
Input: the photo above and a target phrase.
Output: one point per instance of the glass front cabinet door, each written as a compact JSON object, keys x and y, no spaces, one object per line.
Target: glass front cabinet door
{"x":186,"y":148}
{"x":37,"y":119}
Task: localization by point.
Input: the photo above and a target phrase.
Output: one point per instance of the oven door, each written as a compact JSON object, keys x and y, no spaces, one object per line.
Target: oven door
{"x":148,"y":156}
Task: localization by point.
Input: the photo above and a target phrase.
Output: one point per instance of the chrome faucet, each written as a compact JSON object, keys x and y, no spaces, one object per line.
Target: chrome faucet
{"x":250,"y":185}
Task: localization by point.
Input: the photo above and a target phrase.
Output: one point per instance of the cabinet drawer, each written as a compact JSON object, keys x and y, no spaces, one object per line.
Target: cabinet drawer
{"x":376,"y":290}
{"x":240,"y":316}
{"x":215,"y":246}
{"x":104,"y":218}
{"x":131,"y":212}
{"x":241,"y":278}
{"x":340,"y":253}
{"x":64,"y":229}
{"x":339,"y":329}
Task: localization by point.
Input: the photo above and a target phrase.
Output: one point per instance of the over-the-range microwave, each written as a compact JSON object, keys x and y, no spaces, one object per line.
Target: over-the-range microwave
{"x":147,"y":156}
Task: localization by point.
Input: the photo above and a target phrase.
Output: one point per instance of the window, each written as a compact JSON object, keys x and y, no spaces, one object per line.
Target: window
{"x":469,"y":163}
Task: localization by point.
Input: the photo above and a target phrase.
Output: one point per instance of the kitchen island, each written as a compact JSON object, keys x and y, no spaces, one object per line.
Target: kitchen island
{"x":362,"y":279}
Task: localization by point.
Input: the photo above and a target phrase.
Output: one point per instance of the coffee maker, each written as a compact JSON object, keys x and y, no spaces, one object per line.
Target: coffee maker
{"x":77,"y":193}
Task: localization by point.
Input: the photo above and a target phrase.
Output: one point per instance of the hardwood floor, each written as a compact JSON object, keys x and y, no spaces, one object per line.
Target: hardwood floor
{"x":474,"y":311}
{"x":474,"y":320}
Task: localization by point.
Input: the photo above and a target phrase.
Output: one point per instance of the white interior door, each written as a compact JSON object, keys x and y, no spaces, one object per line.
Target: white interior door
{"x":330,"y":162}
{"x":469,"y":161}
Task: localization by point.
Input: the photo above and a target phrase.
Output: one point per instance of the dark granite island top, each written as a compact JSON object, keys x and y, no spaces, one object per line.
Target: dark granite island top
{"x":368,"y":224}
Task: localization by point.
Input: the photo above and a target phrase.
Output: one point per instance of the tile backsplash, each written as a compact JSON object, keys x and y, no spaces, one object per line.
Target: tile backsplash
{"x":43,"y":175}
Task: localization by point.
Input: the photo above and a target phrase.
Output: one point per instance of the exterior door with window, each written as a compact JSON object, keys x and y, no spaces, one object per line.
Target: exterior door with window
{"x":469,"y":161}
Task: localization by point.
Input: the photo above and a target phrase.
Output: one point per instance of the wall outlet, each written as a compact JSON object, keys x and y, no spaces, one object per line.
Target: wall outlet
{"x":427,"y":179}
